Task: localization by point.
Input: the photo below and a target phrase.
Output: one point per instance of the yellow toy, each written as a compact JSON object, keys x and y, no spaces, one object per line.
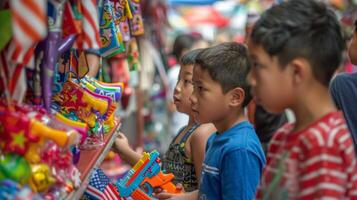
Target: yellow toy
{"x":41,"y":178}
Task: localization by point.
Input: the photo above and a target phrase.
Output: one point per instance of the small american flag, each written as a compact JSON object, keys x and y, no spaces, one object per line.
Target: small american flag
{"x":100,"y":187}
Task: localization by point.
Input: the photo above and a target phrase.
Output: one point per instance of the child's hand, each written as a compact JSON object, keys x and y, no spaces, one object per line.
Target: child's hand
{"x":162,"y":194}
{"x":121,"y":143}
{"x":122,"y":147}
{"x":179,"y":187}
{"x":171,"y":196}
{"x":181,"y":196}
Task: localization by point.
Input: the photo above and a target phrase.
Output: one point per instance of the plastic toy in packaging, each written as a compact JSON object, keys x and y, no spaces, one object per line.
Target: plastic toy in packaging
{"x":75,"y":99}
{"x":14,"y":167}
{"x":136,"y":22}
{"x":109,"y":33}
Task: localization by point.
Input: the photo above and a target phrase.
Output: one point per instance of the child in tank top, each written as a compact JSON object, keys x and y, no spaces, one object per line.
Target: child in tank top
{"x":186,"y":152}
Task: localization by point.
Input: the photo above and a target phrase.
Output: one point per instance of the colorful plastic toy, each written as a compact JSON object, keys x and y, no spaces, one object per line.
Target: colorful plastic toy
{"x":43,"y":132}
{"x":73,"y":98}
{"x":15,"y":132}
{"x":110,"y":108}
{"x":81,"y":128}
{"x":14,"y":167}
{"x":112,"y":90}
{"x":146,"y":175}
{"x":41,"y":178}
{"x":12,"y":190}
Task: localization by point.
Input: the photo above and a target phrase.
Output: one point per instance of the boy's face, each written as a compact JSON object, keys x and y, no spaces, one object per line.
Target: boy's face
{"x":209,"y":104}
{"x":184,"y":89}
{"x":271,"y":84}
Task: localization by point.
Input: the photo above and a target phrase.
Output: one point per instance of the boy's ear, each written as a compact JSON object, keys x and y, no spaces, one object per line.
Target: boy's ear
{"x":236,"y":97}
{"x":300,"y":70}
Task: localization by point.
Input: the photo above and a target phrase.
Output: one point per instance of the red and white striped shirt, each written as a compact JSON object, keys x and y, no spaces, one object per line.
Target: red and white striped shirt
{"x":317,"y":162}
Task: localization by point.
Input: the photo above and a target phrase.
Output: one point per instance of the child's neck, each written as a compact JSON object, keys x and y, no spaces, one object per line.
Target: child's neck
{"x":313,"y":106}
{"x":191,"y":122}
{"x":229,"y":122}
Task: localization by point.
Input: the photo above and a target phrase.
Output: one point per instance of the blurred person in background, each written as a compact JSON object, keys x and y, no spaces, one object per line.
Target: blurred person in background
{"x":265,"y":123}
{"x":343,"y":89}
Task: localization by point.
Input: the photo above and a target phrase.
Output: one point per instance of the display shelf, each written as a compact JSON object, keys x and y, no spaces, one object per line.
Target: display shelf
{"x":91,"y":159}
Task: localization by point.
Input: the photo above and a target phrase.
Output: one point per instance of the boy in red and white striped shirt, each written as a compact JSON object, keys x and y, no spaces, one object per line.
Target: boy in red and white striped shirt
{"x":295,"y":47}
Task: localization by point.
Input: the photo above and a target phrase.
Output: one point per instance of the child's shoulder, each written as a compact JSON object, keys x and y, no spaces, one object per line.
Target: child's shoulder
{"x":329,"y":138}
{"x":344,"y":77}
{"x":344,"y":85}
{"x":202,"y":133}
{"x":204,"y":130}
{"x":328,"y":132}
{"x":240,"y":137}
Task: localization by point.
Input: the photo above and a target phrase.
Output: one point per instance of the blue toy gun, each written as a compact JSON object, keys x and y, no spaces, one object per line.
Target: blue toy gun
{"x":146,"y":175}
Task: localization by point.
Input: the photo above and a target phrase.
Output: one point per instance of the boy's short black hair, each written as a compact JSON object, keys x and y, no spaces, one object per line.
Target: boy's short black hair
{"x":190,"y":57}
{"x":229,"y":65}
{"x":302,"y":28}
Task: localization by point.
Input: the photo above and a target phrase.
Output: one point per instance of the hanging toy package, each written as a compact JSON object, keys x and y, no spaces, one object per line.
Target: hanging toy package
{"x":112,"y":42}
{"x":136,"y":22}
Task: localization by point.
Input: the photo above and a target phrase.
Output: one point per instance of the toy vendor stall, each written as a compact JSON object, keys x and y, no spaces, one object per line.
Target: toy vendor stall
{"x":59,"y":112}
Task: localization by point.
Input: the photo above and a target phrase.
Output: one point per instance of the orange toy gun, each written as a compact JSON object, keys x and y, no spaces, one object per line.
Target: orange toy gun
{"x":146,"y":175}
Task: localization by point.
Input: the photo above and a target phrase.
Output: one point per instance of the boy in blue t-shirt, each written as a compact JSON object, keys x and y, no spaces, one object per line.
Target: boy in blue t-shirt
{"x":234,"y":157}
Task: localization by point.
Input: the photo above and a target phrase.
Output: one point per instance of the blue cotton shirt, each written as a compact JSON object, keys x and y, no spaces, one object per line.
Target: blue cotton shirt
{"x":233,"y":164}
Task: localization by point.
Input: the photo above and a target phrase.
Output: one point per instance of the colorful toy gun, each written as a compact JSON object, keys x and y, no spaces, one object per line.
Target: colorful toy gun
{"x":146,"y":175}
{"x":25,"y":136}
{"x":84,"y":103}
{"x":111,"y":90}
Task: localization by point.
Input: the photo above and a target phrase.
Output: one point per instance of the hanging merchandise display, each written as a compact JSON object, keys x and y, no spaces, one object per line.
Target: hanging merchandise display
{"x":133,"y":55}
{"x":112,"y":42}
{"x":52,"y":114}
{"x":122,"y":14}
{"x":136,"y":22}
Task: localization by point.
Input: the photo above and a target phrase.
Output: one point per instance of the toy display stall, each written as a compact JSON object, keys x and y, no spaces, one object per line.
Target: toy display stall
{"x":57,"y":121}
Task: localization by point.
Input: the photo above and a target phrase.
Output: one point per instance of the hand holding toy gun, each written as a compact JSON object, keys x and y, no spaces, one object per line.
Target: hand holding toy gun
{"x":146,"y":175}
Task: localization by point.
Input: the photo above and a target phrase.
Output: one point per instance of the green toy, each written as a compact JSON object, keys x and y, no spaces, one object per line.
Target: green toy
{"x":14,"y":167}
